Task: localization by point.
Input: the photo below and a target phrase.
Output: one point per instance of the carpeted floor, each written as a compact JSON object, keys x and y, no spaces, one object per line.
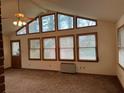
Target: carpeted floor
{"x":34,"y":81}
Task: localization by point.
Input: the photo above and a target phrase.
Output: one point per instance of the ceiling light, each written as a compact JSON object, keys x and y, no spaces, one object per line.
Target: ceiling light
{"x":19,"y":23}
{"x":19,"y":17}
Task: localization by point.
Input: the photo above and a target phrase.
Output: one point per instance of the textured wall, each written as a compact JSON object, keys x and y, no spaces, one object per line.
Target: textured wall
{"x":106,"y":49}
{"x":7,"y":52}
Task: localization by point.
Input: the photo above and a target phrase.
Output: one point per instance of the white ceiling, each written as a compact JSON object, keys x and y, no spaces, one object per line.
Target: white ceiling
{"x":110,"y":10}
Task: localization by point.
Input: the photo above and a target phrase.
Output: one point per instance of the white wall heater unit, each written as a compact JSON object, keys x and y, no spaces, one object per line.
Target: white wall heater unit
{"x":68,"y":68}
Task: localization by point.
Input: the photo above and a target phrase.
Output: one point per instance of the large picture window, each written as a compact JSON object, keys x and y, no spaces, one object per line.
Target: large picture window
{"x":49,"y":48}
{"x":87,"y":47}
{"x":121,"y":46}
{"x":65,"y":22}
{"x":48,"y":23}
{"x":66,"y":48}
{"x":34,"y":49}
{"x":34,"y":26}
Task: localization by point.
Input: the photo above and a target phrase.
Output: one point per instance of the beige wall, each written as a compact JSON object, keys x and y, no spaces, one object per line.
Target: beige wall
{"x":106,"y":48}
{"x":120,"y":71}
{"x":7,"y":56}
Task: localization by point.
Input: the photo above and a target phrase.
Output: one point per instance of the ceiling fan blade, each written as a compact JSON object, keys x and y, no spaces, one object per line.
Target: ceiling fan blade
{"x":28,"y":18}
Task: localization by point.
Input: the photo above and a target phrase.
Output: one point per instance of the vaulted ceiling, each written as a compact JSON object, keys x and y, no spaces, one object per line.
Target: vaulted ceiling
{"x":109,"y":10}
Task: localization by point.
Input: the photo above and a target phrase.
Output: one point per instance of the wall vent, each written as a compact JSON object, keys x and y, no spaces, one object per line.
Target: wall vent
{"x":68,"y":68}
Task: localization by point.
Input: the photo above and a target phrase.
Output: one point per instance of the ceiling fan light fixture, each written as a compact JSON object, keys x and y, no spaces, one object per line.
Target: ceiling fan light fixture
{"x":15,"y":23}
{"x":24,"y":23}
{"x":19,"y":15}
{"x":19,"y":23}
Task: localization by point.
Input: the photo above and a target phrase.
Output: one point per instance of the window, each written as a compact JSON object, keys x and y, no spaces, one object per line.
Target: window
{"x":87,"y":47}
{"x":15,"y":48}
{"x":65,"y":22}
{"x":48,"y":23}
{"x":22,"y":31}
{"x":82,"y":22}
{"x":34,"y":49}
{"x":34,"y":26}
{"x":56,"y":21}
{"x":121,"y":46}
{"x":49,"y":48}
{"x":66,"y":48}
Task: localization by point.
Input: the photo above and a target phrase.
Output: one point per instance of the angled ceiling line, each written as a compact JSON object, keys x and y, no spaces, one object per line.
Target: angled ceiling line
{"x":39,"y":6}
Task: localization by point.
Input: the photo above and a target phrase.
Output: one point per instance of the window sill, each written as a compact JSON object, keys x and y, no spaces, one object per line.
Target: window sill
{"x":121,"y":67}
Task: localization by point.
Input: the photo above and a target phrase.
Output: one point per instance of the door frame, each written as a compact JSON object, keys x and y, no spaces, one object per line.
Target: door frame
{"x":11,"y":41}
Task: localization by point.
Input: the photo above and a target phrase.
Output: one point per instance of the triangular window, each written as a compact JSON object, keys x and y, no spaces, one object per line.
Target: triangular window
{"x":22,"y":31}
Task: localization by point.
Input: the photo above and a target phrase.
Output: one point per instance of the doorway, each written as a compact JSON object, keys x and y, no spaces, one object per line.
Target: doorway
{"x":16,"y":54}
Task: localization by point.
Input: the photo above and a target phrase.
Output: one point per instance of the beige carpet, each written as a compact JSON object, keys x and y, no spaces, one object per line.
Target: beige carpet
{"x":34,"y":81}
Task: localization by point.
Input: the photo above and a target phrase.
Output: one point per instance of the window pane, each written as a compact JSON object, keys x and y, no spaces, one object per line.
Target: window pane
{"x":66,"y":42}
{"x":35,"y":43}
{"x":49,"y":43}
{"x":35,"y":49}
{"x":65,"y":22}
{"x":66,"y":45}
{"x":87,"y":47}
{"x":22,"y":31}
{"x":15,"y":49}
{"x":87,"y":41}
{"x":121,"y":56}
{"x":49,"y":48}
{"x":35,"y":53}
{"x":49,"y":54}
{"x":121,"y":46}
{"x":67,"y":54}
{"x":85,"y":22}
{"x":87,"y":54}
{"x":34,"y":26}
{"x":121,"y":37}
{"x":48,"y":23}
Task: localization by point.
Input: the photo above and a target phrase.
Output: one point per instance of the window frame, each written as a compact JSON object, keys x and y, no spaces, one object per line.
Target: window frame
{"x":58,"y":38}
{"x":43,"y":38}
{"x":86,"y":19}
{"x":118,"y":30}
{"x":29,"y":39}
{"x":30,"y":23}
{"x":40,"y":22}
{"x":26,"y":27}
{"x":74,"y":24}
{"x":96,"y":48}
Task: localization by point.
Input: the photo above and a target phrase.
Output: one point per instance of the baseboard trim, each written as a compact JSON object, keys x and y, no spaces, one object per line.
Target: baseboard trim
{"x":7,"y":68}
{"x":97,"y":74}
{"x":68,"y":73}
{"x":60,"y":71}
{"x":40,"y":69}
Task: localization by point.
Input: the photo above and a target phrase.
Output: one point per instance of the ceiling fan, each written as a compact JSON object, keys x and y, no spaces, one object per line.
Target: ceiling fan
{"x":21,"y":19}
